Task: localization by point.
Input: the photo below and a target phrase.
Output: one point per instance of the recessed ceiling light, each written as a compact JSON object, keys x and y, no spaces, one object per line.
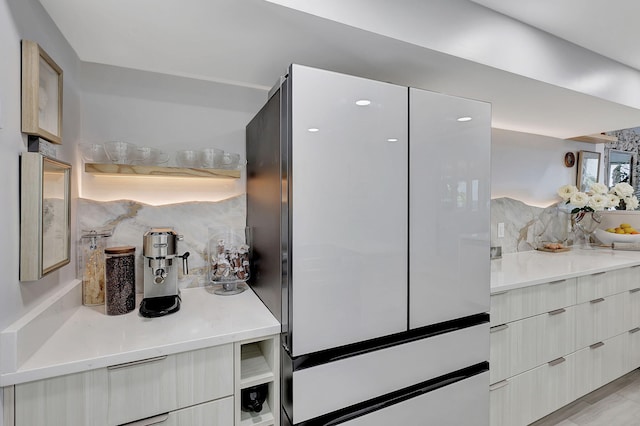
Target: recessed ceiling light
{"x":363,"y":102}
{"x":465,"y":119}
{"x":392,"y":140}
{"x":313,"y":129}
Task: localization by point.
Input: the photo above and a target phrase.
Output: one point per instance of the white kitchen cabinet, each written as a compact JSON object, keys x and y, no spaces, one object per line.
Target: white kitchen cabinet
{"x":159,"y":385}
{"x":526,"y":397}
{"x":71,"y":400}
{"x":193,"y":388}
{"x":214,"y":413}
{"x":601,"y":284}
{"x":600,"y":363}
{"x":632,"y":309}
{"x":257,"y":363}
{"x":529,"y":301}
{"x":601,"y":318}
{"x":542,"y":360}
{"x":521,"y":345}
{"x":632,"y":349}
{"x":540,"y":391}
{"x":500,"y":412}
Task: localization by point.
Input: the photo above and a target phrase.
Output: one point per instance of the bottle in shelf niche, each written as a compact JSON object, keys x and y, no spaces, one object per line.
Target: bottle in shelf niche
{"x":252,"y":398}
{"x":91,"y":265}
{"x":120,"y":279}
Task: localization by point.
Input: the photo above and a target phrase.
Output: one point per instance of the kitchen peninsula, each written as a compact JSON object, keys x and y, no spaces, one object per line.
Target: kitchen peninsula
{"x":562,"y":325}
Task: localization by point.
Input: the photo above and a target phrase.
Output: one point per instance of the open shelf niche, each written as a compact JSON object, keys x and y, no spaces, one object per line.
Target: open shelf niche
{"x":258,"y":362}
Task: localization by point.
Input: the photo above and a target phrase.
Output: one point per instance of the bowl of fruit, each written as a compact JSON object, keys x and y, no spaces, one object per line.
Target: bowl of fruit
{"x":623,"y":233}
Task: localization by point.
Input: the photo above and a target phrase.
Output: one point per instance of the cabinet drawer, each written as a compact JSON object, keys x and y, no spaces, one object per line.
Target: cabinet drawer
{"x":525,"y":398}
{"x":632,"y":312}
{"x":602,"y":284}
{"x":521,"y":345}
{"x":159,"y":385}
{"x":632,"y":350}
{"x":600,"y":319}
{"x":629,"y":278}
{"x":71,"y":400}
{"x":529,"y":301}
{"x":600,"y":363}
{"x":213,"y":413}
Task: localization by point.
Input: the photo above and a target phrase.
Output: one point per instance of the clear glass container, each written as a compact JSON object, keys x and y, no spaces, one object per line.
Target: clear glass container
{"x":228,"y":258}
{"x":120,"y":279}
{"x":92,"y":245}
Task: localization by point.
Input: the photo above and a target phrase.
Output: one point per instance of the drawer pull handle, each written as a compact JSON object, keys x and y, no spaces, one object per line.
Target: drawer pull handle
{"x":155,"y":420}
{"x":557,"y":282}
{"x":557,"y":361}
{"x":498,"y":328}
{"x":597,"y":345}
{"x":498,"y":385}
{"x":498,"y":293}
{"x":634,"y":290}
{"x":598,"y":300}
{"x":598,"y":273}
{"x":634,"y":330}
{"x":557,"y":311}
{"x":635,"y":266}
{"x":142,"y":361}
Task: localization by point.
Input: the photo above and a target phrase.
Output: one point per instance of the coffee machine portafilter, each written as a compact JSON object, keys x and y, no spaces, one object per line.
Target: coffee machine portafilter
{"x":161,"y":293}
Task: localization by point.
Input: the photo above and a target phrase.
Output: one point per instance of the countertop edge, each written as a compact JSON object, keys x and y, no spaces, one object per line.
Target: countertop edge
{"x":517,"y":280}
{"x":29,"y":375}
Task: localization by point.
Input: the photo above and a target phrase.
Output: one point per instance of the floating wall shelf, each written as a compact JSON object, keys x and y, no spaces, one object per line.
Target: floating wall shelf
{"x":595,"y":138}
{"x":136,"y":170}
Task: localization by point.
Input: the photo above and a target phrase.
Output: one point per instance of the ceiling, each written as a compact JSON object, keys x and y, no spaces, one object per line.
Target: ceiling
{"x":609,"y":28}
{"x":536,"y":82}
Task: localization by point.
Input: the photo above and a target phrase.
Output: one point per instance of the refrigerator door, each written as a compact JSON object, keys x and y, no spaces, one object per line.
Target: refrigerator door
{"x":449,"y":216}
{"x":348,"y":209}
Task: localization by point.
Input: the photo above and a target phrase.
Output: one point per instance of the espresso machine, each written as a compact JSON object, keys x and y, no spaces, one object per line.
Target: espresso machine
{"x":161,"y":293}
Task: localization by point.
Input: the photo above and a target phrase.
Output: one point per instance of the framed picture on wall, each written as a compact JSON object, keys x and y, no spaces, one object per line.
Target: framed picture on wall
{"x":41,"y":94}
{"x":588,"y":169}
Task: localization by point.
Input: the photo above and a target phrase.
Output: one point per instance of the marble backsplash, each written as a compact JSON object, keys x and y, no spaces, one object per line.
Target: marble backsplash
{"x":524,"y":227}
{"x":129,"y":220}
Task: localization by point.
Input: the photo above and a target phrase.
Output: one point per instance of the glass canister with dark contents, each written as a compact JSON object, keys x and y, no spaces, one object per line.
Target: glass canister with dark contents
{"x":120,"y":279}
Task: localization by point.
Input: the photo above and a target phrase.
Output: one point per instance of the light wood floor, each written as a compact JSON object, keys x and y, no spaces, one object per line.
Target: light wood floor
{"x":616,"y":404}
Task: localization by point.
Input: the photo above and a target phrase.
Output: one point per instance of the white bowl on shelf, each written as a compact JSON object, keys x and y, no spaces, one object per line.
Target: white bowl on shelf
{"x":93,"y":153}
{"x":149,"y":156}
{"x":609,"y":237}
{"x":187,"y":158}
{"x":120,"y":152}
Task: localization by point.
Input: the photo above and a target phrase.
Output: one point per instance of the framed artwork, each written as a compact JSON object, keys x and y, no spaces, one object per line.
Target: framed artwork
{"x":45,"y":215}
{"x":588,"y":169}
{"x":41,"y":94}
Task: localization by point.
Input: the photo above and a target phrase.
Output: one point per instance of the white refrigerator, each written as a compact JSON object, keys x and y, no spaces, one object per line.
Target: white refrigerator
{"x":368,"y":204}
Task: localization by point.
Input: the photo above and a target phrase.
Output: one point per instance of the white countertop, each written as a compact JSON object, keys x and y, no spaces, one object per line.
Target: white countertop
{"x":516,"y":270}
{"x":90,"y":339}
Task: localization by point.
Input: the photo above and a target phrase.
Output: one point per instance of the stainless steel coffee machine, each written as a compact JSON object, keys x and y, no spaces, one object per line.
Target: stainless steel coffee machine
{"x":161,"y":293}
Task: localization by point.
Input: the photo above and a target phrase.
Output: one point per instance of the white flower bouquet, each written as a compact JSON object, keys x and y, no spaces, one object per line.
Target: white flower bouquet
{"x":599,"y":198}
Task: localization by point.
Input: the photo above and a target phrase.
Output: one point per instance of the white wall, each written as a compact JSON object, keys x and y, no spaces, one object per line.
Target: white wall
{"x":166,"y":112}
{"x":530,"y":168}
{"x":26,"y":19}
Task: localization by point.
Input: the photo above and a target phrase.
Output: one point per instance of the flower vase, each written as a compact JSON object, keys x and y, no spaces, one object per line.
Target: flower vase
{"x":584,"y":225}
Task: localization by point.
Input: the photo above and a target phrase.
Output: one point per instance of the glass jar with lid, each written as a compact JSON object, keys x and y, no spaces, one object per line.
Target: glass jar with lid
{"x":120,"y":279}
{"x":91,"y":264}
